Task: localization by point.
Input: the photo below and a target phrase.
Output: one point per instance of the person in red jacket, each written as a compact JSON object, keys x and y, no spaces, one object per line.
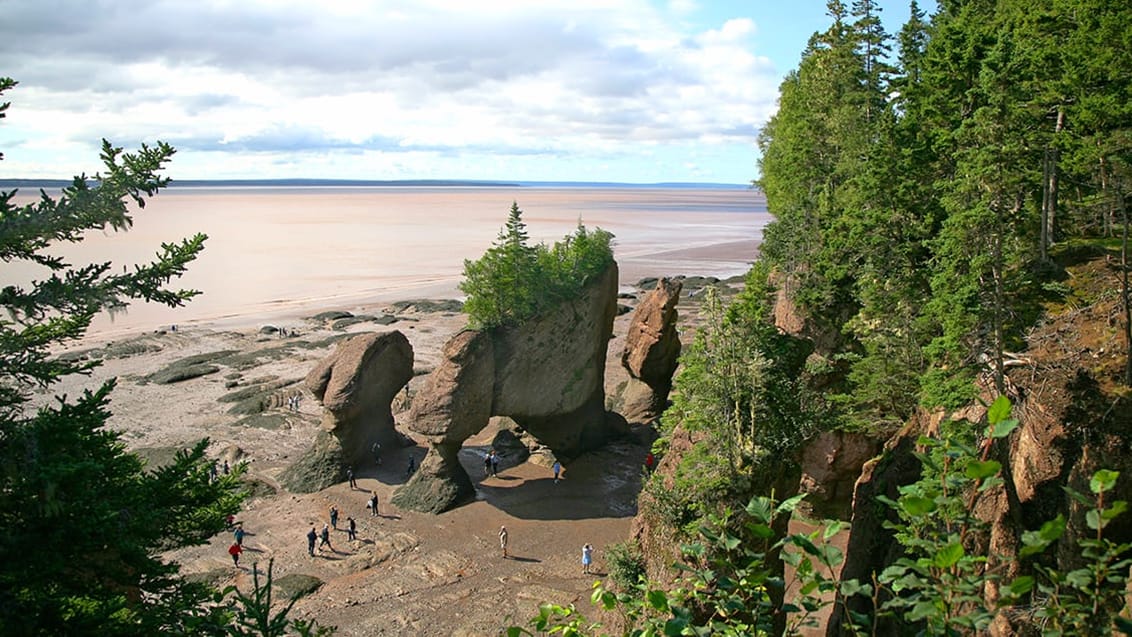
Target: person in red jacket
{"x":235,"y":551}
{"x":650,"y":462}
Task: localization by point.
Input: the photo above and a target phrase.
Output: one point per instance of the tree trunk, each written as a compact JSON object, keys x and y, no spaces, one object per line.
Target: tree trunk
{"x":1120,"y":207}
{"x":1125,"y":293}
{"x":1050,"y":160}
{"x":1043,"y":242}
{"x":1054,"y":174}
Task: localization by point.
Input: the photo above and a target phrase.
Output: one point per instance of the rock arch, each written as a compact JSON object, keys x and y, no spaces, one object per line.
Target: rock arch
{"x":547,"y":375}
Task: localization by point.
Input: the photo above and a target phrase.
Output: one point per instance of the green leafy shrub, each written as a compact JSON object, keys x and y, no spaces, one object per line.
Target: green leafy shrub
{"x":936,"y":588}
{"x":514,"y":281}
{"x":626,"y":564}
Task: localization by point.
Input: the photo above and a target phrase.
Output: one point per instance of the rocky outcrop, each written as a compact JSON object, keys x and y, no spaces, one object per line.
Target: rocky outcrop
{"x":787,"y":317}
{"x":546,"y":374}
{"x":320,"y":466}
{"x":870,"y":541}
{"x":651,"y":533}
{"x":652,"y":350}
{"x":355,"y":385}
{"x":831,"y":463}
{"x":1048,"y":451}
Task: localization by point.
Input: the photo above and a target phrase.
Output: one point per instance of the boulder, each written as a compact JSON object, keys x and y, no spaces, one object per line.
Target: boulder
{"x":547,"y":375}
{"x":456,"y":400}
{"x":652,"y":350}
{"x":511,"y":447}
{"x":1043,"y":455}
{"x":356,"y":385}
{"x":321,"y":466}
{"x":439,"y":484}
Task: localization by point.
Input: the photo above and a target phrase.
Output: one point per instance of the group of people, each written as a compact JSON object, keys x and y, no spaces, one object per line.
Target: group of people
{"x":212,"y":471}
{"x":322,"y":538}
{"x":294,"y":401}
{"x":587,"y":549}
{"x":237,"y":546}
{"x":491,"y":463}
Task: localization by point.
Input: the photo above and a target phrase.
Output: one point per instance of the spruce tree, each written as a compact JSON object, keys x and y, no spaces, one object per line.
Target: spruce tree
{"x":85,"y":521}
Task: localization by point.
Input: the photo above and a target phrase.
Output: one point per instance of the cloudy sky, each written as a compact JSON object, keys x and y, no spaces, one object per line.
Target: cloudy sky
{"x":557,"y":90}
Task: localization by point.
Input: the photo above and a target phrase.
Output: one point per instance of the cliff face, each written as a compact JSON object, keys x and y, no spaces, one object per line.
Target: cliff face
{"x":652,"y":352}
{"x":547,"y":375}
{"x":1074,"y":419}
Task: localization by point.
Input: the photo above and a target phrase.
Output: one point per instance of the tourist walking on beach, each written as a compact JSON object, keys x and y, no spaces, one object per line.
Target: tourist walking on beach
{"x":587,"y":557}
{"x":557,"y":471}
{"x":487,"y":463}
{"x":239,"y":534}
{"x":503,"y":540}
{"x":311,"y":537}
{"x":372,"y":504}
{"x":235,"y":551}
{"x":494,"y":463}
{"x":324,"y":538}
{"x":351,"y":478}
{"x":334,"y":516}
{"x":351,"y":529}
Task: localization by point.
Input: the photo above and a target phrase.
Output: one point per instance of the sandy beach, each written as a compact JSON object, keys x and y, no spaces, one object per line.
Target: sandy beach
{"x":273,"y":254}
{"x":408,"y":573}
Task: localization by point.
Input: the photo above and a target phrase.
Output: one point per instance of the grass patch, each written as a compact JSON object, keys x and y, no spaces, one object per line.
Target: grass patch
{"x":319,"y":344}
{"x":178,"y":372}
{"x":428,"y":306}
{"x":332,"y":315}
{"x":256,"y":488}
{"x":295,"y":585}
{"x":207,"y":357}
{"x":270,"y":422}
{"x":254,"y":390}
{"x":246,"y":360}
{"x":343,"y":323}
{"x":156,"y":457}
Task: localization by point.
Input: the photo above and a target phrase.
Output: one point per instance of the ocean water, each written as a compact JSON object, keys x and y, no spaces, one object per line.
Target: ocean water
{"x":284,"y":251}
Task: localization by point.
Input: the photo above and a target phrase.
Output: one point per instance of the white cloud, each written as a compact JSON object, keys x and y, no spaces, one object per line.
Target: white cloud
{"x":682,"y":6}
{"x":395,"y":85}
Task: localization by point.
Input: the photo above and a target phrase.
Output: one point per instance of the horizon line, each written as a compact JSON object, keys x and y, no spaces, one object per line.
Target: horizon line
{"x":302,"y":181}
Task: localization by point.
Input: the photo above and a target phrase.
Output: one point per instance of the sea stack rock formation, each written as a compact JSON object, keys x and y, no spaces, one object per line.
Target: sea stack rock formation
{"x":355,"y":385}
{"x":546,"y":374}
{"x":652,"y":350}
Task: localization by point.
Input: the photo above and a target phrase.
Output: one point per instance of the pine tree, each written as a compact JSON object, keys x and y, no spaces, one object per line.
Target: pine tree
{"x":84,"y":521}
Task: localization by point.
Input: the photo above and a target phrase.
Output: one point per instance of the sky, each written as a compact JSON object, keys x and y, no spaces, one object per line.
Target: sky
{"x":638,"y":91}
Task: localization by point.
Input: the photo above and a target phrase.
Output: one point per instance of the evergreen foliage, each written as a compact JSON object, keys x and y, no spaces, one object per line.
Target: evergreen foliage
{"x":514,"y":281}
{"x":915,"y":204}
{"x":84,"y":521}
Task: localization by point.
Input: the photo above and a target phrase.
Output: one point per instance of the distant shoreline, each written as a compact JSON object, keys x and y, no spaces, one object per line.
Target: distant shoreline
{"x":376,"y":183}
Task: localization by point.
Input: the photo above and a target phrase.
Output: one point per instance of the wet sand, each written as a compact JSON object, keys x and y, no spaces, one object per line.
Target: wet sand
{"x":279,"y":252}
{"x":409,"y":573}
